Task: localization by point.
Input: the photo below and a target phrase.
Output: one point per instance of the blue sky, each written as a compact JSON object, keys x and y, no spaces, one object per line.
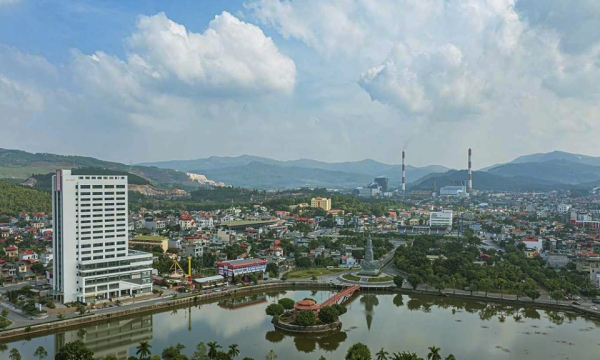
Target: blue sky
{"x":336,"y":81}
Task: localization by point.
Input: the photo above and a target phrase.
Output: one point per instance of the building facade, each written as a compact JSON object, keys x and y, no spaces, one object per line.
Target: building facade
{"x":440,"y":218}
{"x":321,"y":202}
{"x":90,"y":240}
{"x":240,"y":268}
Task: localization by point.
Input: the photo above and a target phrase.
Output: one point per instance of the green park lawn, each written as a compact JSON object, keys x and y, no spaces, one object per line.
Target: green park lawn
{"x":308,"y":273}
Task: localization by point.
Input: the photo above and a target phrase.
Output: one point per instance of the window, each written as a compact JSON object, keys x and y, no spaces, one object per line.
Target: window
{"x":98,"y":226}
{"x":97,"y":192}
{"x":86,"y":259}
{"x":97,"y":187}
{"x":120,"y":242}
{"x":85,"y":192}
{"x":109,"y":193}
{"x":98,"y":257}
{"x":120,"y":186}
{"x":120,"y":192}
{"x":97,"y":221}
{"x":85,"y":187}
{"x":99,"y":251}
{"x":98,"y":245}
{"x":109,"y":186}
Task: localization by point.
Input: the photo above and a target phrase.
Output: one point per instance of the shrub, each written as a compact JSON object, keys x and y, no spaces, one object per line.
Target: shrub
{"x":274,"y":309}
{"x":328,"y":314}
{"x":306,"y":318}
{"x":287,"y":303}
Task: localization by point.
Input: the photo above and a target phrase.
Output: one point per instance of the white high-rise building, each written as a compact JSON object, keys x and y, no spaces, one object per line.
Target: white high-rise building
{"x":90,"y":240}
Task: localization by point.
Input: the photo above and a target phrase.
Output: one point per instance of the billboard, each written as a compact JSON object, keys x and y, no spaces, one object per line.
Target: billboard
{"x":58,"y":180}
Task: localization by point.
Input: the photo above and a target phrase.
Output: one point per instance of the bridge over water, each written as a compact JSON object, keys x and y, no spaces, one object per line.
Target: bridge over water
{"x":344,"y":294}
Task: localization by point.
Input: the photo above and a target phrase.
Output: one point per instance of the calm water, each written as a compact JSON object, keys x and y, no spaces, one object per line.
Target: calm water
{"x":470,"y":330}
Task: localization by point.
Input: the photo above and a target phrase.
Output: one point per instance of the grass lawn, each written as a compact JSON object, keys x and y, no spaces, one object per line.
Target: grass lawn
{"x":351,"y":277}
{"x":308,"y":273}
{"x":381,"y":279}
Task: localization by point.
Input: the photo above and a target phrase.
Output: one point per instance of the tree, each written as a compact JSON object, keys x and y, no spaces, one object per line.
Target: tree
{"x":233,"y":351}
{"x":287,"y":303}
{"x":38,"y":268}
{"x":75,"y":350}
{"x":274,"y":309}
{"x":414,"y":280}
{"x":201,"y":352}
{"x":173,"y":352}
{"x":382,"y":354}
{"x":306,"y":318}
{"x":213,"y":349}
{"x":40,"y":353}
{"x":405,"y":355}
{"x":398,"y":280}
{"x":14,"y":354}
{"x":143,"y":350}
{"x":485,"y":284}
{"x":111,"y":357}
{"x":557,"y":295}
{"x":358,"y":351}
{"x":5,"y":313}
{"x":450,"y":357}
{"x":273,"y":269}
{"x":271,"y":355}
{"x":328,"y":314}
{"x":434,"y":353}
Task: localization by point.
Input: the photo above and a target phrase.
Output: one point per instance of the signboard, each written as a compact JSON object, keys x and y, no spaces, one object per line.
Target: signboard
{"x":58,"y":178}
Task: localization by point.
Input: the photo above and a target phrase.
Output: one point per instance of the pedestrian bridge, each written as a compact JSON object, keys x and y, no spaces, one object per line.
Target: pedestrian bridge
{"x":344,"y":294}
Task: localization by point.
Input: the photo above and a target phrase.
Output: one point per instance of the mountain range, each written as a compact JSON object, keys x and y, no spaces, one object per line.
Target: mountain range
{"x":260,"y":172}
{"x":547,"y":171}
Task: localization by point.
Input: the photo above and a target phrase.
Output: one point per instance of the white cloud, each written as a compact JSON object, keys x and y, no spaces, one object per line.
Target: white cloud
{"x":230,"y":55}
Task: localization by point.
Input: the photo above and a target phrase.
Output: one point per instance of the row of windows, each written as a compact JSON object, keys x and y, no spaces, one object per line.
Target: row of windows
{"x":101,"y":178}
{"x":88,"y":193}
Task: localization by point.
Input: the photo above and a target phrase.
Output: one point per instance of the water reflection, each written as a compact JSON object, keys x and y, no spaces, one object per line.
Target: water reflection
{"x":307,"y":343}
{"x":370,"y":301}
{"x":112,"y":338}
{"x":239,"y":302}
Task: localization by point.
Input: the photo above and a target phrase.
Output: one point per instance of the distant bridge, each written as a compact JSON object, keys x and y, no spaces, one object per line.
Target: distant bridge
{"x":345,"y":293}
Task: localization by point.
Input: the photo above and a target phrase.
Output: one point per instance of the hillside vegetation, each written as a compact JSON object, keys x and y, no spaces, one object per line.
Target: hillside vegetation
{"x":21,"y":164}
{"x":15,"y":198}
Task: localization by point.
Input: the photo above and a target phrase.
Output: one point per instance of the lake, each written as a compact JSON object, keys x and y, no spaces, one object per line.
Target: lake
{"x":471,"y":330}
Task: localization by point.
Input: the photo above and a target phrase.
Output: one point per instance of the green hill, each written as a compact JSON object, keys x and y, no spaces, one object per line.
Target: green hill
{"x":486,"y":181}
{"x":559,"y":170}
{"x":15,"y":198}
{"x":17,"y":164}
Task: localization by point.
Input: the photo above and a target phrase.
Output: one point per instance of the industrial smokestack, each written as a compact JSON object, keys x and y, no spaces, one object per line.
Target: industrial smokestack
{"x":470,"y":174}
{"x":403,"y":175}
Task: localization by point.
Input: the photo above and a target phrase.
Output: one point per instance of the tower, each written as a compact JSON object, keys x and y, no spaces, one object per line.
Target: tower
{"x":403,"y":175}
{"x":470,"y":184}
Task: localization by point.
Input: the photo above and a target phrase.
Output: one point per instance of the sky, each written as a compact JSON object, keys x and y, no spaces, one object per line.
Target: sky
{"x":336,"y":80}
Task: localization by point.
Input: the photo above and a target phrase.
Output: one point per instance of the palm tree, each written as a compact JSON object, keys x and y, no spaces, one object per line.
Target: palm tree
{"x":382,"y":354}
{"x":450,"y":357}
{"x":213,"y":349}
{"x":143,"y":350}
{"x":233,"y":351}
{"x":434,"y":353}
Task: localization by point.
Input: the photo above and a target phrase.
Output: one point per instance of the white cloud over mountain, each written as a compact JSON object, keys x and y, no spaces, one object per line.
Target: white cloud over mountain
{"x":505,"y":77}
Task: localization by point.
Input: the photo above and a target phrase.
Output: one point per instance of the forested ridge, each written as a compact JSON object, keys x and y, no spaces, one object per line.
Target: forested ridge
{"x":15,"y":198}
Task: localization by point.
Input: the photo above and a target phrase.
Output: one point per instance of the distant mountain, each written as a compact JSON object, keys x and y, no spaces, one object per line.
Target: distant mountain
{"x":356,"y":173}
{"x":557,"y":166}
{"x":17,"y":164}
{"x":259,"y":175}
{"x":486,"y":181}
{"x":558,"y":170}
{"x":558,"y":155}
